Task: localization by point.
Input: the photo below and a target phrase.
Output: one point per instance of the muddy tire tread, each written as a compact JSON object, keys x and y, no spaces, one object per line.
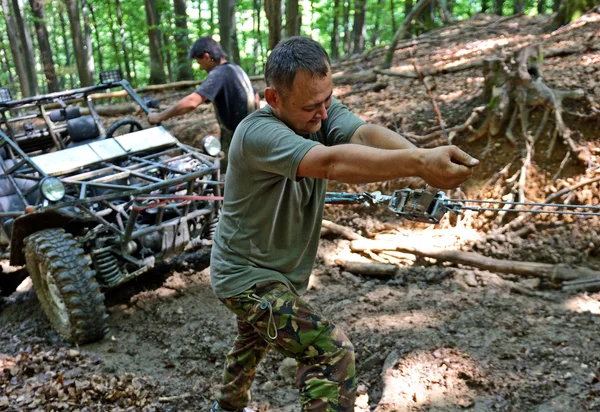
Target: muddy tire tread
{"x":60,"y":254}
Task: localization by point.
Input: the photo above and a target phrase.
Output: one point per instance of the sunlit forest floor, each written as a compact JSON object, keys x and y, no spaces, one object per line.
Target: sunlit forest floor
{"x":436,"y":336}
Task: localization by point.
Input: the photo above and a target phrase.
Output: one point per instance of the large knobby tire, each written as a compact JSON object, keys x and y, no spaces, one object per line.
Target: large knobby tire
{"x":66,"y":286}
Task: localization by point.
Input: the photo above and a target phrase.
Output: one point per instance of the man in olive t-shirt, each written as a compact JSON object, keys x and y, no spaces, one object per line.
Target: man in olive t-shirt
{"x":271,"y":219}
{"x":267,"y":238}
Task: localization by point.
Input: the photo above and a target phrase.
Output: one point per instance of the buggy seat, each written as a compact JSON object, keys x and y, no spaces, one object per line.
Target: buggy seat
{"x":9,"y":198}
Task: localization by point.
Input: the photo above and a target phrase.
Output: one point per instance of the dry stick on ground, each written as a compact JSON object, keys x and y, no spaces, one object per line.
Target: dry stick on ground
{"x":431,"y":139}
{"x":375,"y":269}
{"x":539,"y":270}
{"x":521,"y":220}
{"x":433,"y":102}
{"x":340,"y":230}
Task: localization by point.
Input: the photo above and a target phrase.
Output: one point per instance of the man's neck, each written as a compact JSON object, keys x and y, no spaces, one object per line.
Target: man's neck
{"x":222,"y":61}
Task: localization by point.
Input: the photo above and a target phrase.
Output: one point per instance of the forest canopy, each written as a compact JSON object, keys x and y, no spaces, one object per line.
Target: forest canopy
{"x":51,"y":45}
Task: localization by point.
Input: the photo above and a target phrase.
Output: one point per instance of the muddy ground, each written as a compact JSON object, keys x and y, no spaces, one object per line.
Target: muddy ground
{"x":450,"y":337}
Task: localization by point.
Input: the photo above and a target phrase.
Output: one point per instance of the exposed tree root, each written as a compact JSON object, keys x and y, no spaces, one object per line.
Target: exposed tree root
{"x":514,"y":89}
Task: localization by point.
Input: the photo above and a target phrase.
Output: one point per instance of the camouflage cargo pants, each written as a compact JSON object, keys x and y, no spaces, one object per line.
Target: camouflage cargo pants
{"x":272,"y":316}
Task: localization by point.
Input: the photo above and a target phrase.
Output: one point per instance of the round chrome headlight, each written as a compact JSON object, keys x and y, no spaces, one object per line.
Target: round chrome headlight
{"x":211,"y":145}
{"x":52,"y":189}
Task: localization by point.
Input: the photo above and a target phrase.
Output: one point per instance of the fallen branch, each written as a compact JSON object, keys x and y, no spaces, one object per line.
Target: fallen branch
{"x":521,"y":220}
{"x":340,"y":230}
{"x":440,"y":119}
{"x":534,"y":269}
{"x":375,"y":269}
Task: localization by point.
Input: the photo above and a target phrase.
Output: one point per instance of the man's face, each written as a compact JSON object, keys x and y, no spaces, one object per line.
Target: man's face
{"x":205,"y":62}
{"x":304,"y":107}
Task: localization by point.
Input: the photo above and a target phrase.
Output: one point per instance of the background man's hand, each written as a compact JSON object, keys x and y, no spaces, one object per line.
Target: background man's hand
{"x":154,"y":118}
{"x":446,"y":167}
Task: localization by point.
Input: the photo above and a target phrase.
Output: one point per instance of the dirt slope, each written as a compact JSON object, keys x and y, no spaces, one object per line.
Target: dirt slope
{"x":434,"y":337}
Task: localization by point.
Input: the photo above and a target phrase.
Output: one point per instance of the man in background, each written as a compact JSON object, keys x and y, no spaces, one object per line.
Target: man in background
{"x":227,"y":87}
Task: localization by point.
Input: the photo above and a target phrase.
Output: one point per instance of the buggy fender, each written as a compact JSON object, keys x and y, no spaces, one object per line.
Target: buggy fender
{"x":28,"y":224}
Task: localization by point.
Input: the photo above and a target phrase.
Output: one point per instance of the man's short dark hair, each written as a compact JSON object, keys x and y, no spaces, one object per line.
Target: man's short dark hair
{"x":292,"y":55}
{"x":206,"y":44}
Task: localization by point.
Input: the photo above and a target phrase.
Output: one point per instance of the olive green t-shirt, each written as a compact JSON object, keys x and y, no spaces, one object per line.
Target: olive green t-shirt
{"x":271,"y":220}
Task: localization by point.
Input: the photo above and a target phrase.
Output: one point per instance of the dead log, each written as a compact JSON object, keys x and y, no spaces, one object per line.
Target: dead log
{"x":367,"y":76}
{"x":374,"y":269}
{"x":340,"y":230}
{"x":113,"y":110}
{"x":534,"y":269}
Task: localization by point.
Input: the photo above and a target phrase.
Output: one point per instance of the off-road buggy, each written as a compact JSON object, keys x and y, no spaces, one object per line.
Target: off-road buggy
{"x":86,"y":207}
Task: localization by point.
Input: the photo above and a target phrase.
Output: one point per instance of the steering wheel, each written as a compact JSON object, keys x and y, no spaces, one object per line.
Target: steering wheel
{"x":133,"y":126}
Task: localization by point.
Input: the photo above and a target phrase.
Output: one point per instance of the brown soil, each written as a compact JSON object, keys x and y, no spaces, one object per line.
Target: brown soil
{"x":451,"y":337}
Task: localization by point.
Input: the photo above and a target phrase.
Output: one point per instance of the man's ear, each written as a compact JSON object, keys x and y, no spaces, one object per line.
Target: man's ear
{"x":272,"y":97}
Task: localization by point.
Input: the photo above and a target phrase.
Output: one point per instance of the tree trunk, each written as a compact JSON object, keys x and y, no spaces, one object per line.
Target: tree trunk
{"x":257,"y":46}
{"x":157,"y":65}
{"x":498,"y":5}
{"x":273,"y":12}
{"x":79,"y":49}
{"x":211,"y":23}
{"x":25,"y":46}
{"x":570,"y":10}
{"x":166,"y":50}
{"x":4,"y":64}
{"x":113,"y":36}
{"x":63,"y":27}
{"x":292,"y":18}
{"x":556,"y":5}
{"x":226,"y":18}
{"x":184,"y":67}
{"x":123,"y":41}
{"x":426,"y":18}
{"x":358,"y":28}
{"x":97,"y":36}
{"x":88,"y":38}
{"x":133,"y":60}
{"x":421,"y":5}
{"x":13,"y":42}
{"x":484,"y":6}
{"x":392,"y":12}
{"x":375,"y":36}
{"x":335,"y":35}
{"x":541,"y":6}
{"x":37,"y":6}
{"x":347,"y":35}
{"x":518,"y":6}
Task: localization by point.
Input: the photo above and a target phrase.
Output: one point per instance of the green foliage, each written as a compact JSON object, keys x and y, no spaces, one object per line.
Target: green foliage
{"x":317,"y":22}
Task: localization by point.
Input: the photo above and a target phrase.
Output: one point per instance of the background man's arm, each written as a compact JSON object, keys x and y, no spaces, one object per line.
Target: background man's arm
{"x":183,"y":106}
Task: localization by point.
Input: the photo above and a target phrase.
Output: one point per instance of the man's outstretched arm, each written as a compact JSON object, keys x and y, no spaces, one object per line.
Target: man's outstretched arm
{"x":378,"y":154}
{"x":183,"y":106}
{"x":380,"y":137}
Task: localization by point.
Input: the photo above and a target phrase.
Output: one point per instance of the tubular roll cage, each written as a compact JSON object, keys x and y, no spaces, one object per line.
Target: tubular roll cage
{"x":80,"y":185}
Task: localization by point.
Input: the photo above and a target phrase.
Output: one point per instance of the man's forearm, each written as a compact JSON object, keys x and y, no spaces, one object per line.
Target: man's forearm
{"x":174,"y":111}
{"x":380,"y":137}
{"x":354,"y":163}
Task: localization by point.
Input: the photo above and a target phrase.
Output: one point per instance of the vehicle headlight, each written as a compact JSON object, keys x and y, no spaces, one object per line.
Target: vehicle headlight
{"x":52,"y":189}
{"x":211,"y":145}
